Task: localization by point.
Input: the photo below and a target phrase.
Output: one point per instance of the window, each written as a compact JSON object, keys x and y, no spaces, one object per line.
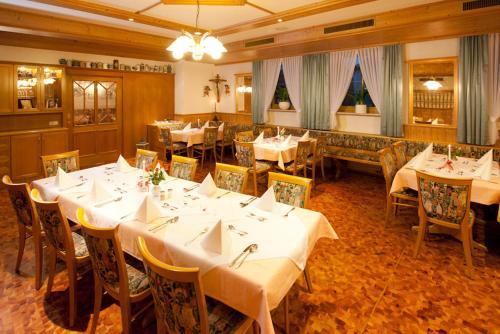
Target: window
{"x":281,"y":94}
{"x":356,"y":90}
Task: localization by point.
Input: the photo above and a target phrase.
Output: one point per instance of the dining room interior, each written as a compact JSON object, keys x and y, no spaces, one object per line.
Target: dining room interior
{"x":250,"y":166}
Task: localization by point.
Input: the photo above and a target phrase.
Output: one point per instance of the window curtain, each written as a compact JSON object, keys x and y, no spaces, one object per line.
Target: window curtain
{"x":316,"y":92}
{"x":473,"y":117}
{"x":371,"y":64}
{"x":257,"y":92}
{"x":341,"y":70}
{"x":292,"y":70}
{"x":392,"y":92}
{"x":494,"y":86}
{"x":270,"y":74}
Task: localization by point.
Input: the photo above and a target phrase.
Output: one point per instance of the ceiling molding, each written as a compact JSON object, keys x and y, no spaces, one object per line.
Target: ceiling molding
{"x":259,"y":7}
{"x":205,"y":2}
{"x":291,"y":14}
{"x":98,"y":9}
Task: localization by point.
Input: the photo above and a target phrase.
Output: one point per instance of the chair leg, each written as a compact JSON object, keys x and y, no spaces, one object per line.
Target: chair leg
{"x":160,"y":326}
{"x":22,"y":243}
{"x":72,"y":294}
{"x":51,"y":268}
{"x":255,"y":184}
{"x":466,"y":241}
{"x":307,"y":277}
{"x":97,"y":303}
{"x":38,"y":261}
{"x":256,"y":329}
{"x":287,"y":319}
{"x":422,"y":226}
{"x":314,"y":174}
{"x":232,"y":150}
{"x":388,"y":210}
{"x":222,"y":153}
{"x":126,"y":316}
{"x":214,"y":152}
{"x":323,"y":168}
{"x":202,"y":158}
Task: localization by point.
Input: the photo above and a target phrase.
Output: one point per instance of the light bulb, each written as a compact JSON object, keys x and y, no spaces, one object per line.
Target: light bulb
{"x":177,"y":54}
{"x":432,"y":85}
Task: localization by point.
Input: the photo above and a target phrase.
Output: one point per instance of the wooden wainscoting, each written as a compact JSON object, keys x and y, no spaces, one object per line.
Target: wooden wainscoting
{"x":193,"y":118}
{"x":435,"y":133}
{"x":240,"y":118}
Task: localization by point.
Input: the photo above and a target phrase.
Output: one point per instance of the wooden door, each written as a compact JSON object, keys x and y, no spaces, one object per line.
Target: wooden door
{"x":6,"y":88}
{"x":25,"y":156}
{"x":96,"y":119}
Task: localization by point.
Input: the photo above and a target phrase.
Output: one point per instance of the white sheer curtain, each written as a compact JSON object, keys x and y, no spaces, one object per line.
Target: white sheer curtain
{"x":341,"y":69}
{"x":292,"y":70}
{"x":270,"y":76}
{"x":494,"y":85}
{"x":371,"y":64}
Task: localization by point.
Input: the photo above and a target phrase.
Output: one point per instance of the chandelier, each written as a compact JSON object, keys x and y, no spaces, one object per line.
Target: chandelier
{"x":197,"y":44}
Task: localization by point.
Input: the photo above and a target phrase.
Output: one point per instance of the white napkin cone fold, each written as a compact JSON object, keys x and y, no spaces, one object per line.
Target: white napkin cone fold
{"x":207,"y":187}
{"x":99,"y":193}
{"x":123,"y":166}
{"x":260,"y":138}
{"x":267,"y":202}
{"x":217,"y":239}
{"x":148,"y":211}
{"x":422,"y":157}
{"x":485,"y":166}
{"x":221,"y":127}
{"x":487,"y":157}
{"x":287,"y":140}
{"x":64,"y":180}
{"x":187,"y":127}
{"x":305,"y":136}
{"x":206,"y":125}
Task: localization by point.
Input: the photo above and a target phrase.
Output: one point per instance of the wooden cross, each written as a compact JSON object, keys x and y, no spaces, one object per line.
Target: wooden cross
{"x":217,"y":80}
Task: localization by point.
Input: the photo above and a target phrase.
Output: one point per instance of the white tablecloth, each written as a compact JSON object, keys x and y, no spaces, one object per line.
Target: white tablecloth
{"x":192,"y":136}
{"x":273,"y":149}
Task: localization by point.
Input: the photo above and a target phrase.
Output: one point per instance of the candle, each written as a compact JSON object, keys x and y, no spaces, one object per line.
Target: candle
{"x":278,"y":133}
{"x":449,"y":151}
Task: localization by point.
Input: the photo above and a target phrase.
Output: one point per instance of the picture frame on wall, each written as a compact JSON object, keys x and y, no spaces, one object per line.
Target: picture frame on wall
{"x":50,"y":103}
{"x":26,"y":104}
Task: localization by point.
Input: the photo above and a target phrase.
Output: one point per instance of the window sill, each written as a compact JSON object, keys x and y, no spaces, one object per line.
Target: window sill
{"x":281,"y":110}
{"x":348,"y":113}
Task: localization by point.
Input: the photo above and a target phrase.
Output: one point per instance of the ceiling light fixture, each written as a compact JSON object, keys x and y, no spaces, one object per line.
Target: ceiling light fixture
{"x":432,"y":84}
{"x":280,"y":20}
{"x":197,"y":44}
{"x":131,"y":19}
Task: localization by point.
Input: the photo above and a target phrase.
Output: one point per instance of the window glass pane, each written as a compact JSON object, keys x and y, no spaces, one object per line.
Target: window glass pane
{"x":281,"y":92}
{"x":83,"y":102}
{"x":27,"y":87}
{"x":106,"y":102}
{"x":354,"y":92}
{"x":52,"y":84}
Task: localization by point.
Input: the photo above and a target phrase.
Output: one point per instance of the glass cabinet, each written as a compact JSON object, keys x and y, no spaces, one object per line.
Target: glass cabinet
{"x":38,"y":88}
{"x":94,"y":102}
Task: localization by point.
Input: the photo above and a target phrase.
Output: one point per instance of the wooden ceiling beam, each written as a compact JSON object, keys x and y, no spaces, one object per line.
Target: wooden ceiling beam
{"x":117,"y":13}
{"x":205,"y":2}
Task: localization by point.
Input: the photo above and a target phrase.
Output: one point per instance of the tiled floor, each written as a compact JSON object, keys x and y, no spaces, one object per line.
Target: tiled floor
{"x":366,"y":282}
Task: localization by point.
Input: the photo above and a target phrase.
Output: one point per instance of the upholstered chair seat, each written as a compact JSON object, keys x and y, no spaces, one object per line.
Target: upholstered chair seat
{"x":232,"y":178}
{"x":137,"y":280}
{"x":183,"y":168}
{"x":245,"y":154}
{"x":67,"y":161}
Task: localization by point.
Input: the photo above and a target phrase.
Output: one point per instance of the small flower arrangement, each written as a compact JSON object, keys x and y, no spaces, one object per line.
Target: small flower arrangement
{"x":156,"y":175}
{"x":282,"y":132}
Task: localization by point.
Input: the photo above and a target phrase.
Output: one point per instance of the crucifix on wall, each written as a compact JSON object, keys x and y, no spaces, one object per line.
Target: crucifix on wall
{"x":217,"y":80}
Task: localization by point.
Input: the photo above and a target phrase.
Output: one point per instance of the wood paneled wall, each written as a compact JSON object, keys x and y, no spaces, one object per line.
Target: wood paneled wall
{"x":240,"y":118}
{"x":441,"y":134}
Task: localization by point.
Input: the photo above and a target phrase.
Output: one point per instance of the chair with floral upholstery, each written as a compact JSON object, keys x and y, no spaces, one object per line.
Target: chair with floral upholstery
{"x":317,"y":158}
{"x":445,"y":202}
{"x":405,"y":197}
{"x":120,"y":280}
{"x":62,"y":244}
{"x":170,"y":146}
{"x":67,"y":161}
{"x":209,"y":142}
{"x":180,"y":303}
{"x":229,"y":132}
{"x":183,"y":167}
{"x":268,"y":132}
{"x":230,"y":177}
{"x":145,"y":158}
{"x":245,"y":154}
{"x":398,"y":148}
{"x":244,"y":136}
{"x":300,"y":160}
{"x":27,"y":223}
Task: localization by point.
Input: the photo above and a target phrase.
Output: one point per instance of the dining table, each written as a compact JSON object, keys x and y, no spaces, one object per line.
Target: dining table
{"x":277,"y":150}
{"x":285,"y":238}
{"x":192,"y":136}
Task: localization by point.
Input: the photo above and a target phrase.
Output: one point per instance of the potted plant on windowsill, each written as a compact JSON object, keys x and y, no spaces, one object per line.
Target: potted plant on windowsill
{"x":284,"y":100}
{"x":360,"y":107}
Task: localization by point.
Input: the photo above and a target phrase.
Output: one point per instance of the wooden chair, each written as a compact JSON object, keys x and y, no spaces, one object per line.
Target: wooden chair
{"x":399,"y":150}
{"x":405,"y":197}
{"x":120,"y":280}
{"x":27,"y":224}
{"x":168,"y":145}
{"x":446,"y":202}
{"x":268,"y":132}
{"x":183,"y":167}
{"x":64,"y":244}
{"x":318,"y":157}
{"x":180,"y":303}
{"x":67,"y":161}
{"x":245,"y":155}
{"x":145,"y":158}
{"x":230,"y":177}
{"x":300,"y":160}
{"x":244,"y":136}
{"x":227,"y":140}
{"x":209,"y":142}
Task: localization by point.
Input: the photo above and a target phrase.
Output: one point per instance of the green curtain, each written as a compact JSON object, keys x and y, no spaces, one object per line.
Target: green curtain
{"x":392,"y":92}
{"x":315,"y":104}
{"x":257,"y":92}
{"x":472,"y":90}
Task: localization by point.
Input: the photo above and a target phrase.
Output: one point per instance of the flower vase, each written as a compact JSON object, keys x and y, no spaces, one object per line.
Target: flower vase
{"x":156,"y":190}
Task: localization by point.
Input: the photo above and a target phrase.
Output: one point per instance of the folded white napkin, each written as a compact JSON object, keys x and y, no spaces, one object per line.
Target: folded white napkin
{"x":305,"y":136}
{"x":217,"y":239}
{"x":487,"y":157}
{"x":207,"y":187}
{"x":99,"y":193}
{"x":267,"y":201}
{"x":187,"y":127}
{"x":123,"y":166}
{"x":148,"y":211}
{"x":287,"y":140}
{"x":221,"y":127}
{"x":435,"y":121}
{"x":64,"y":180}
{"x":206,"y":125}
{"x":485,"y":165}
{"x":428,"y":151}
{"x":260,"y":138}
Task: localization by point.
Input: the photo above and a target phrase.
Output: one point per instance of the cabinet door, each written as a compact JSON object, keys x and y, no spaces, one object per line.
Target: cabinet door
{"x":28,"y":88}
{"x":4,"y":155}
{"x":6,"y":88}
{"x":54,"y":142}
{"x":25,"y":155}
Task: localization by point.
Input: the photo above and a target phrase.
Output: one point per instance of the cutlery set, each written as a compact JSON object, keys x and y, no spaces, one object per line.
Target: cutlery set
{"x":191,"y":188}
{"x":111,"y":200}
{"x":162,"y":224}
{"x":227,"y":192}
{"x":254,"y":216}
{"x":245,"y":203}
{"x":247,"y":251}
{"x":205,"y":230}
{"x":237,"y":231}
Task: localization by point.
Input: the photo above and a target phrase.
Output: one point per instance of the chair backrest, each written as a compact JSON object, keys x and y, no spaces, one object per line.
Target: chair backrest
{"x":210,"y":137}
{"x":67,"y":161}
{"x":389,"y":167}
{"x":108,"y":261}
{"x":19,"y":194}
{"x":228,"y":133}
{"x":291,"y":190}
{"x":145,"y":158}
{"x":54,"y":224}
{"x":303,"y":150}
{"x":320,"y":146}
{"x":268,"y":132}
{"x":443,"y":200}
{"x":245,"y":154}
{"x":230,"y":177}
{"x":177,"y":293}
{"x":183,"y":168}
{"x":399,"y":149}
{"x":165,"y":136}
{"x":244,"y":136}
